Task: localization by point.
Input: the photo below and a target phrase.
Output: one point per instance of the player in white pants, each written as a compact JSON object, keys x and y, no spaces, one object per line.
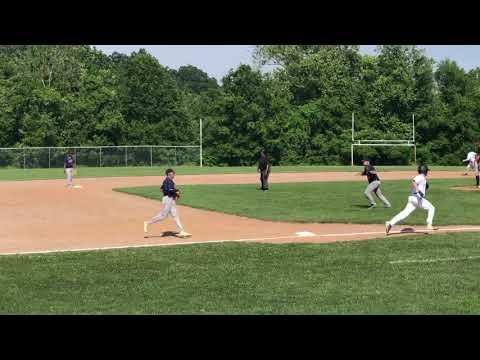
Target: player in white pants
{"x":471,"y":159}
{"x":68,"y":166}
{"x":415,"y":200}
{"x":171,"y":194}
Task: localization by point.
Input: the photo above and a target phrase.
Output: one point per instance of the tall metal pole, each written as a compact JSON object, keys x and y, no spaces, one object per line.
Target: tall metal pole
{"x":353,"y":138}
{"x":414,"y":145}
{"x":353,"y":126}
{"x":201,"y":145}
{"x":413,"y":123}
{"x":351,"y":153}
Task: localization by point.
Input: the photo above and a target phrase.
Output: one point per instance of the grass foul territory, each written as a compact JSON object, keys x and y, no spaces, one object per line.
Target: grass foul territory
{"x":245,"y":278}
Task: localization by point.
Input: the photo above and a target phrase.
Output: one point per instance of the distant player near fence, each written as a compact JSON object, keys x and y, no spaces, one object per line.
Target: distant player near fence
{"x":68,"y":167}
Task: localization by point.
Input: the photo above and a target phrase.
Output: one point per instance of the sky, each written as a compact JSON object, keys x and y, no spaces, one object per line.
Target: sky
{"x":217,"y":60}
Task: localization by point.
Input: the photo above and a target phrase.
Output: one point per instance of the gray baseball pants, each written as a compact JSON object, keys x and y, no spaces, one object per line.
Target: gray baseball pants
{"x":374,"y":187}
{"x":169,"y":208}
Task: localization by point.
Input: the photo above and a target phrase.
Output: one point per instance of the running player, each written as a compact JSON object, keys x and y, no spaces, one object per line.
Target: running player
{"x":373,"y":185}
{"x":416,"y":200}
{"x":68,"y":166}
{"x":471,"y":158}
{"x":170,"y":195}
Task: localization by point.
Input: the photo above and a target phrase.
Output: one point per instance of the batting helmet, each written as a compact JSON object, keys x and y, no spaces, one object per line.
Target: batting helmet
{"x":423,"y":169}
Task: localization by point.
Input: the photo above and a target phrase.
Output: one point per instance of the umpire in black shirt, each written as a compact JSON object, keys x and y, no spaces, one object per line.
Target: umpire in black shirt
{"x":264,"y":169}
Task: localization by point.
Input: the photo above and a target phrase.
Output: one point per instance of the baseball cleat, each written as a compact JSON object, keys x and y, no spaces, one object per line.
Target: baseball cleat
{"x":145,"y":226}
{"x":388,"y":206}
{"x":430,"y":227}
{"x":183,"y":234}
{"x":388,"y":227}
{"x":371,"y":206}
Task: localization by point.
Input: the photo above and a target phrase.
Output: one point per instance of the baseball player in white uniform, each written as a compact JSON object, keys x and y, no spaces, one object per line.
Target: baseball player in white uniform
{"x":471,"y":159}
{"x":415,"y":200}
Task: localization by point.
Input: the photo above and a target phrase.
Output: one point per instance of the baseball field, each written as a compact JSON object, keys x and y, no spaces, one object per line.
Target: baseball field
{"x":307,"y":246}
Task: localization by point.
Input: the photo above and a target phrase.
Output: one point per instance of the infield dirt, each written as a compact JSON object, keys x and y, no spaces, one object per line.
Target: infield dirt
{"x":45,"y":215}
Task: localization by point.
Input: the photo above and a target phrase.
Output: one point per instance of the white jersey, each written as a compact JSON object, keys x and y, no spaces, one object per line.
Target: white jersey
{"x":421,"y":182}
{"x":471,"y":156}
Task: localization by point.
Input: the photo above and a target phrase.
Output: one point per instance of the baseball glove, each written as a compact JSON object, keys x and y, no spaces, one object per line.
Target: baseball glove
{"x":177,"y":194}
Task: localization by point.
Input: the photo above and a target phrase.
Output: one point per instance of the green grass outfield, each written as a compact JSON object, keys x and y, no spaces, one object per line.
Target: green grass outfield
{"x":86,"y":172}
{"x":324,"y":202}
{"x":339,"y":278}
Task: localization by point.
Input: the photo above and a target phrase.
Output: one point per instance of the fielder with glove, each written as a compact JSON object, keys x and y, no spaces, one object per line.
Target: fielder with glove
{"x":417,"y":199}
{"x":170,"y":195}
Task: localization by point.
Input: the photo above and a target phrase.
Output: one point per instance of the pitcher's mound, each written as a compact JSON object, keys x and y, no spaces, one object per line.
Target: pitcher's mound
{"x":466,"y":188}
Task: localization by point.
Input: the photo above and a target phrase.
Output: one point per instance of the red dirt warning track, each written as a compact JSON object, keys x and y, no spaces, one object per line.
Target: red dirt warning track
{"x":45,"y":216}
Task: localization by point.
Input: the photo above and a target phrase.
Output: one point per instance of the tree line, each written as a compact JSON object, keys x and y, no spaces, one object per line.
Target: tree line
{"x":300,"y":111}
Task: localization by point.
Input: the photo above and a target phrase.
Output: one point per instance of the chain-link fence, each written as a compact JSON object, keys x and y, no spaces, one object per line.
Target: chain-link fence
{"x":101,"y":156}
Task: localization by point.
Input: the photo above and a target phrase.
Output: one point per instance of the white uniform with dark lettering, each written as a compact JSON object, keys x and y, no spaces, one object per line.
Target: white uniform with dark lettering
{"x":472,"y":164}
{"x":416,"y":201}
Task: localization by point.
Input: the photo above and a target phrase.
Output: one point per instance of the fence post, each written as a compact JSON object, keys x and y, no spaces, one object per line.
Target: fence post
{"x":49,"y":158}
{"x":24,"y":159}
{"x":151,"y":156}
{"x":125,"y":156}
{"x":100,"y":157}
{"x":175,"y":155}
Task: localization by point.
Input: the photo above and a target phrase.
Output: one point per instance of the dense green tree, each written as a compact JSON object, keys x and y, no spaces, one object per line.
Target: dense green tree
{"x":193,"y":79}
{"x":300,"y":111}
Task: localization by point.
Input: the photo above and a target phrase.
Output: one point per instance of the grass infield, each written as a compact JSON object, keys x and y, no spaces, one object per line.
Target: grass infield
{"x":88,"y":172}
{"x":244,"y":278}
{"x":324,"y":202}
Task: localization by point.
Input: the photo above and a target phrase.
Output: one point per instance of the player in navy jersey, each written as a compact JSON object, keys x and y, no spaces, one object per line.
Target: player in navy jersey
{"x":68,"y":166}
{"x":170,"y":195}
